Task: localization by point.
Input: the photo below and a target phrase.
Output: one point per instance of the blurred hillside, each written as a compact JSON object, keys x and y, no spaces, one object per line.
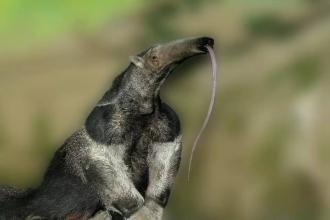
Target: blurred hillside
{"x":266,"y":152}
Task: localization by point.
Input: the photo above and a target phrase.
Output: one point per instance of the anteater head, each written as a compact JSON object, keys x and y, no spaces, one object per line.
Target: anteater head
{"x":159,"y":60}
{"x":137,"y":88}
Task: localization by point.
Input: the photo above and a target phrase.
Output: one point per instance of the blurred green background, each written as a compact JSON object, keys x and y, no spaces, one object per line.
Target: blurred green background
{"x":266,"y":152}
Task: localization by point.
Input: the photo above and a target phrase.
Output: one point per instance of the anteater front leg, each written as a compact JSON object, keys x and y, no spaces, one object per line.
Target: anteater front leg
{"x":109,"y":175}
{"x":163,"y":164}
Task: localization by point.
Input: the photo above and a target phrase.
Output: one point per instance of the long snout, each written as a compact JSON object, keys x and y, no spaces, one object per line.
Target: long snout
{"x":182,"y":49}
{"x":202,"y":42}
{"x":192,"y":45}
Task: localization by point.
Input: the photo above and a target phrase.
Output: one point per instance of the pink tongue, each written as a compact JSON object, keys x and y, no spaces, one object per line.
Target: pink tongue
{"x":207,"y":118}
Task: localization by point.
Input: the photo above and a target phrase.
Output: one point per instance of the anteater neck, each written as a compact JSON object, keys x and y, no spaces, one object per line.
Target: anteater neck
{"x":134,"y":91}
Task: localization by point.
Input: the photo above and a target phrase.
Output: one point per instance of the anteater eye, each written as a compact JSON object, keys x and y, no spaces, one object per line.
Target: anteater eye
{"x":154,"y":58}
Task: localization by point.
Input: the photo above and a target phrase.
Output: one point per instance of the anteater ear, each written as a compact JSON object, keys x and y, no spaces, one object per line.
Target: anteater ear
{"x":137,"y":61}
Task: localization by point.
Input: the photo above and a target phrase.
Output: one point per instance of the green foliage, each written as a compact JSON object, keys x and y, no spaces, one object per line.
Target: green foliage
{"x":293,"y":197}
{"x":195,"y":4}
{"x":268,"y":25}
{"x":301,"y":74}
{"x":157,"y":20}
{"x":23,"y":21}
{"x":267,"y":160}
{"x":305,"y":71}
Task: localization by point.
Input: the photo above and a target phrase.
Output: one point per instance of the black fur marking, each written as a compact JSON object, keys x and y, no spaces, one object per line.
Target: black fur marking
{"x":163,"y":197}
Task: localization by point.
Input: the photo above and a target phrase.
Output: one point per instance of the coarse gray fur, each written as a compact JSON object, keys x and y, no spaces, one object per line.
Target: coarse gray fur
{"x":125,"y":157}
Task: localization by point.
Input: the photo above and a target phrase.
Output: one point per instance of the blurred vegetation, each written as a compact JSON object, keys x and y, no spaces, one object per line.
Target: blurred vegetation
{"x":268,"y":25}
{"x":266,"y":152}
{"x":31,"y":20}
{"x":303,"y":73}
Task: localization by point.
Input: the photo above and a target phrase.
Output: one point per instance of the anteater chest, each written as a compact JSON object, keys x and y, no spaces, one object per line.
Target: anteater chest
{"x":162,"y":128}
